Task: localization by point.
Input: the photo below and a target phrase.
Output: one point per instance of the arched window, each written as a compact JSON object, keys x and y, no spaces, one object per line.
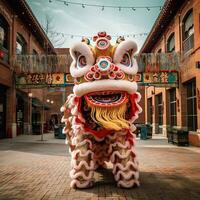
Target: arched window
{"x":188,"y":31}
{"x":35,"y":53}
{"x":4,"y":39}
{"x":21,"y":46}
{"x":188,"y":25}
{"x":159,"y":51}
{"x":171,"y":43}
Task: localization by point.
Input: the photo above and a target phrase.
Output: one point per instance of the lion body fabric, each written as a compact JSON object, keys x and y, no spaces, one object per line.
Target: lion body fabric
{"x":99,"y":115}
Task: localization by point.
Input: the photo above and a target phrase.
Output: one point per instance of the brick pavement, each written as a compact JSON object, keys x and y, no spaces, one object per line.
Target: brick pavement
{"x":40,"y":171}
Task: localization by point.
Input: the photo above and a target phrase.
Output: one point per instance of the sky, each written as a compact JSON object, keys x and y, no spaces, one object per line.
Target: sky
{"x":88,"y":21}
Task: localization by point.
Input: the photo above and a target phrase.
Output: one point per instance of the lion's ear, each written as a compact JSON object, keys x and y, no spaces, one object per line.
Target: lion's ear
{"x":124,"y":56}
{"x":83,"y":59}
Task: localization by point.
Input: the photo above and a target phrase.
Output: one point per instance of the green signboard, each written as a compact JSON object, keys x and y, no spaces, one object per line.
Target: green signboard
{"x":40,"y":80}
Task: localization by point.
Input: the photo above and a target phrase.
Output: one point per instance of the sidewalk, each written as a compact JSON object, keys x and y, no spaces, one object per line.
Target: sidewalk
{"x":35,"y":170}
{"x":48,"y":138}
{"x":157,"y":141}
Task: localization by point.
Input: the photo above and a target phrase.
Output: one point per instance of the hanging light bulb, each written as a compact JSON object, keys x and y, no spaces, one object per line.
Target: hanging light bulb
{"x":148,"y":8}
{"x":66,"y":3}
{"x":102,"y":8}
{"x":133,"y":8}
{"x":83,"y":6}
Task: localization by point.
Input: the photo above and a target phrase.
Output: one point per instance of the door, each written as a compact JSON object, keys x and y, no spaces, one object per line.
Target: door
{"x":2,"y":112}
{"x":20,"y":115}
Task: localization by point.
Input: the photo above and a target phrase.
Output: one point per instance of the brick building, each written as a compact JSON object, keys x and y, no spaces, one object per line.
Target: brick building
{"x":20,"y":33}
{"x":177,"y":29}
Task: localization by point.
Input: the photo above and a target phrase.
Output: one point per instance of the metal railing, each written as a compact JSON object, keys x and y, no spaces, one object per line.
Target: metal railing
{"x":147,"y":62}
{"x":188,"y":43}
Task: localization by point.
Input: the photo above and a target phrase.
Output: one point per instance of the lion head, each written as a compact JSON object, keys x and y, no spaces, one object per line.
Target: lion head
{"x":104,"y":82}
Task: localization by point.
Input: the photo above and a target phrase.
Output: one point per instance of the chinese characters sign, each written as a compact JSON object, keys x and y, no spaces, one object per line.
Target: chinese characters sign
{"x":160,"y":79}
{"x":36,"y":80}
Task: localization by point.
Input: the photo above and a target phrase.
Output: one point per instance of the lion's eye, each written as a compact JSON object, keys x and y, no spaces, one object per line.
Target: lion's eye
{"x":126,"y":60}
{"x":81,"y":61}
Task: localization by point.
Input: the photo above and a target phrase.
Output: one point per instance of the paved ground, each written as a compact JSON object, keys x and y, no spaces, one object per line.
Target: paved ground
{"x":31,"y":169}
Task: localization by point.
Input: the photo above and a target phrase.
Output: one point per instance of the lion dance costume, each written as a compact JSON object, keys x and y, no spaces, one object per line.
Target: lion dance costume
{"x":99,"y":115}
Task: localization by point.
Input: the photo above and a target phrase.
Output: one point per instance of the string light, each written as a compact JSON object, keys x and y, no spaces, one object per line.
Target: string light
{"x":81,"y":36}
{"x":107,"y":6}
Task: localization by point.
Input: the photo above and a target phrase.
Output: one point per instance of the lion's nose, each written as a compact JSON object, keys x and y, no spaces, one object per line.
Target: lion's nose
{"x":104,"y":69}
{"x":104,"y":64}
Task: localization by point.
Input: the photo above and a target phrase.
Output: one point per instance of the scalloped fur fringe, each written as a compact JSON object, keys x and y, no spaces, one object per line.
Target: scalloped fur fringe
{"x":88,"y":153}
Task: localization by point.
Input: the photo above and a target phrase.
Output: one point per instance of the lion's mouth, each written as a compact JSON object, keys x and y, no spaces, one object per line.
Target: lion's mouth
{"x":106,"y":98}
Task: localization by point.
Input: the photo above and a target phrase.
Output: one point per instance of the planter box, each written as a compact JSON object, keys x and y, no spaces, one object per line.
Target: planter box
{"x":178,"y":136}
{"x":194,"y":138}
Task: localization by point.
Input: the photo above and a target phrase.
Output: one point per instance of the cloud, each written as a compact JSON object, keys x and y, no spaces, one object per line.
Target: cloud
{"x":58,"y":11}
{"x":36,"y":3}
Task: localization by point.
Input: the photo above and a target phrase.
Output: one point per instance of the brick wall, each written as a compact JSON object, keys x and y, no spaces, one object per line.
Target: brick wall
{"x":16,"y":25}
{"x":188,"y":68}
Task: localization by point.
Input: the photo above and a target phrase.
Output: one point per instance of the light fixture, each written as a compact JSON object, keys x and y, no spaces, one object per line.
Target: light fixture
{"x":148,"y":8}
{"x":48,"y":100}
{"x":66,"y":3}
{"x":133,"y":8}
{"x":102,"y":8}
{"x":52,"y":101}
{"x":83,"y":6}
{"x":30,"y":94}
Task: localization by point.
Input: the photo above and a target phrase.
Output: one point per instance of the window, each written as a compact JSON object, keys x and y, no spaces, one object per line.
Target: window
{"x":159,"y":51}
{"x":35,"y":52}
{"x":150,"y":110}
{"x":172,"y":107}
{"x":188,"y":31}
{"x":21,"y":45}
{"x":4,"y":39}
{"x":160,"y":108}
{"x":171,"y":43}
{"x":191,"y":105}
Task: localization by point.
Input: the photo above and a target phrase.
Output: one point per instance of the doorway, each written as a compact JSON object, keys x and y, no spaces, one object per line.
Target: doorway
{"x":2,"y":112}
{"x":20,"y":115}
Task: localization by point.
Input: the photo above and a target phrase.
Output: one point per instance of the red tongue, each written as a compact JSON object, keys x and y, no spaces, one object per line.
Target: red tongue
{"x":134,"y":108}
